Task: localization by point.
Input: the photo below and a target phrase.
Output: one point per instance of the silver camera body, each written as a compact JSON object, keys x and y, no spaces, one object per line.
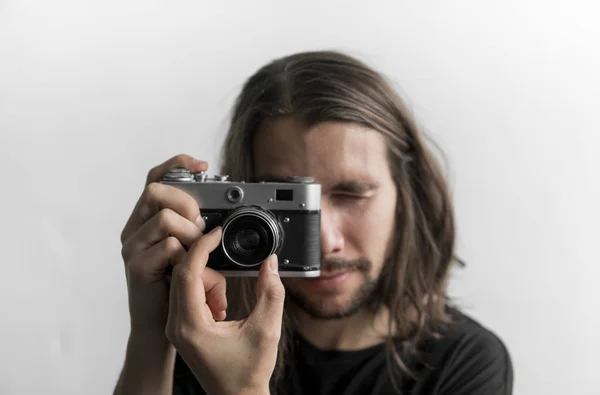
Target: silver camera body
{"x":258,"y":219}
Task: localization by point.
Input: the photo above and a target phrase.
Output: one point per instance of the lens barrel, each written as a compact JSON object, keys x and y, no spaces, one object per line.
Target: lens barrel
{"x":250,"y":235}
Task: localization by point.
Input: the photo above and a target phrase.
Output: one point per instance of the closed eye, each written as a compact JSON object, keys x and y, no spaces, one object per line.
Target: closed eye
{"x":349,"y":197}
{"x":355,"y":188}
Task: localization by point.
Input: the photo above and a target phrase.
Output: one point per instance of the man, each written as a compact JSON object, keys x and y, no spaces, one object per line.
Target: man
{"x":377,"y":321}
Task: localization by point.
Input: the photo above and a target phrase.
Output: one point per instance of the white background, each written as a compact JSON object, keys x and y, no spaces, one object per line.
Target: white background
{"x":93,"y":94}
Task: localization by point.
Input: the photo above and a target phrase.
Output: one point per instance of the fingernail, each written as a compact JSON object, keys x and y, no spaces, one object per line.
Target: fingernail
{"x":215,"y":229}
{"x":200,"y":223}
{"x":274,"y":264}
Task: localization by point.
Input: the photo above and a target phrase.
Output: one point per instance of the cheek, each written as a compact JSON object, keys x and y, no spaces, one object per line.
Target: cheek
{"x":369,"y":230}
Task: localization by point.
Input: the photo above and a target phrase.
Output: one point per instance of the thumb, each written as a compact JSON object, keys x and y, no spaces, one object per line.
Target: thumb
{"x":266,"y":318}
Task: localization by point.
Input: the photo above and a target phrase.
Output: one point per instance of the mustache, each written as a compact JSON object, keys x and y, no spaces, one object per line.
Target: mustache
{"x":362,"y":264}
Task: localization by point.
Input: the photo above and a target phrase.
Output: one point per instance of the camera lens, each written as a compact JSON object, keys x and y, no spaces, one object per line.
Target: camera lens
{"x":250,"y":235}
{"x":247,"y":240}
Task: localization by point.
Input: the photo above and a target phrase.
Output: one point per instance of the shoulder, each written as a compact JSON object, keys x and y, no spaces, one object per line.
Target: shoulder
{"x":470,"y":337}
{"x":468,"y":358}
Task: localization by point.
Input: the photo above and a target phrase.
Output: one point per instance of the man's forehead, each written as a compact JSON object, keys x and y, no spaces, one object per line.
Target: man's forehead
{"x":327,"y":151}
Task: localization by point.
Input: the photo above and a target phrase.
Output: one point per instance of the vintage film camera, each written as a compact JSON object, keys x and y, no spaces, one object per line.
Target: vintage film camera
{"x":258,"y":219}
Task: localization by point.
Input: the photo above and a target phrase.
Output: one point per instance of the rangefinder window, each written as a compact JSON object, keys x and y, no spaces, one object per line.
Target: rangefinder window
{"x":284,"y":195}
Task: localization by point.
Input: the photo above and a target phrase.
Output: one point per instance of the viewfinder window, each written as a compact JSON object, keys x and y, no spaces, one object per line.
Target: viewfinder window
{"x":284,"y":194}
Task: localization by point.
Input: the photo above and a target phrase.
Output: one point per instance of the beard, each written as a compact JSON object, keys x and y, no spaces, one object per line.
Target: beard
{"x":360,"y":298}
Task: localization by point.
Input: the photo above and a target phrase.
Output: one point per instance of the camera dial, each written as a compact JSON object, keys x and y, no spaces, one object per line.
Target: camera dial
{"x":299,"y":180}
{"x":178,"y":174}
{"x":201,"y":176}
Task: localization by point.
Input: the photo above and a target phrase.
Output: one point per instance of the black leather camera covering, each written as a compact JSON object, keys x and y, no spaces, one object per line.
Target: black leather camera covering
{"x":301,"y":244}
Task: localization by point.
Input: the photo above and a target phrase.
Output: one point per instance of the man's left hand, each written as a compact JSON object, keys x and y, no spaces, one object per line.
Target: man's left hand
{"x":227,"y":357}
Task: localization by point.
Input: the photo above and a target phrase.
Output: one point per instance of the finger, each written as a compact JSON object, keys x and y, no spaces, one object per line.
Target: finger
{"x":151,"y":264}
{"x":162,"y":225}
{"x":198,"y":253}
{"x":264,"y":323}
{"x":194,"y":165}
{"x":191,"y":277}
{"x":215,"y":290}
{"x":190,"y":308}
{"x":156,"y":197}
{"x":216,"y":293}
{"x":220,"y":316}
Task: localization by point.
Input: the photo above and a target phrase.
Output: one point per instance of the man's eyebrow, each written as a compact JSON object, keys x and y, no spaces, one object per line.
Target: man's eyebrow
{"x":354,"y":187}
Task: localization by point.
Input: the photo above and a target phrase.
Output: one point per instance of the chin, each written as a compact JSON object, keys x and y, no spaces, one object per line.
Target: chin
{"x":332,"y":308}
{"x":330,"y":302}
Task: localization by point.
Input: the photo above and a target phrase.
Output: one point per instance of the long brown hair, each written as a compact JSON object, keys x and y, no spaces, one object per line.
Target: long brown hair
{"x":330,"y":86}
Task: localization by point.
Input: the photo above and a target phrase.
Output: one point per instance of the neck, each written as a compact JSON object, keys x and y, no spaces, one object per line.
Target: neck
{"x":359,"y":331}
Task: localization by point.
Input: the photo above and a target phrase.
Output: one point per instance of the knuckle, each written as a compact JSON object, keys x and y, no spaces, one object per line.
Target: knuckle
{"x":180,"y":334}
{"x":191,"y":207}
{"x":263,"y":335}
{"x":130,"y":252}
{"x":170,"y":331}
{"x":271,"y":336}
{"x":124,"y":236}
{"x":173,"y":245}
{"x":165,"y":218}
{"x":276,"y":294}
{"x":125,"y":252}
{"x":150,"y":191}
{"x":152,"y":174}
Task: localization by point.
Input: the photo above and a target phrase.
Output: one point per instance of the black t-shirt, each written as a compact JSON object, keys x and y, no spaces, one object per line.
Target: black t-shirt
{"x":467,"y":360}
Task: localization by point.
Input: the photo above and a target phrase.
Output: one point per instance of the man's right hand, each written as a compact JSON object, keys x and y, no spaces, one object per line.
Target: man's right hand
{"x":164,"y":222}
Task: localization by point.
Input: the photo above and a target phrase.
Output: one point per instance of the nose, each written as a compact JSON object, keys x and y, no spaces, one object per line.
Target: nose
{"x":332,"y":239}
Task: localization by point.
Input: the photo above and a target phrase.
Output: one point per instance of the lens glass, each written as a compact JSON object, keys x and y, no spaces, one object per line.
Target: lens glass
{"x":248,"y":239}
